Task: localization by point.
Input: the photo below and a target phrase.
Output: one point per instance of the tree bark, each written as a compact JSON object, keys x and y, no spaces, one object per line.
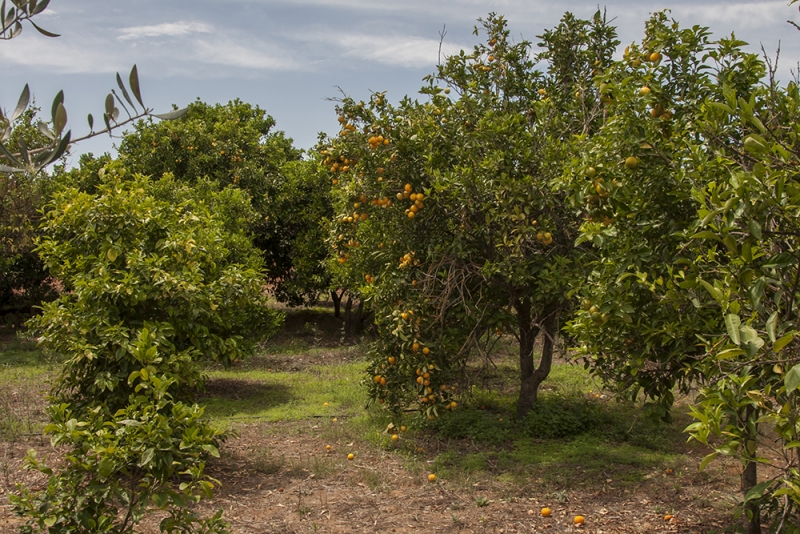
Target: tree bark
{"x":752,"y":513}
{"x":337,"y":303}
{"x":347,"y":309}
{"x":531,"y":377}
{"x":359,"y":314}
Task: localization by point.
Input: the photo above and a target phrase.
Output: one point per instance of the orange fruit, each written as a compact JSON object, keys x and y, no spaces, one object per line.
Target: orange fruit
{"x":631,"y":162}
{"x":402,"y":428}
{"x":591,"y":172}
{"x":655,"y":57}
{"x":579,"y":520}
{"x":667,"y":517}
{"x":351,"y":456}
{"x":395,"y":437}
{"x":546,"y":512}
{"x":328,"y":447}
{"x":411,"y":214}
{"x":426,"y":350}
{"x":644,"y":91}
{"x":376,"y":379}
{"x":391,"y":360}
{"x":431,"y":478}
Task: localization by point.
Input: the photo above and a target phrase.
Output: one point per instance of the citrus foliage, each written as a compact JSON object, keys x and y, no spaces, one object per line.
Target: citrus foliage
{"x":698,"y":272}
{"x":448,"y":221}
{"x":234,"y":144}
{"x":23,"y":280}
{"x":155,"y":282}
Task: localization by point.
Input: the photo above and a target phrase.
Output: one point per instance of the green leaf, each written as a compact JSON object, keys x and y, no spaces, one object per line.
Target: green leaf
{"x":62,"y":147}
{"x":42,"y":127}
{"x":172,"y":115}
{"x":732,"y":324}
{"x":90,"y":119}
{"x":706,"y":234}
{"x":112,"y":254}
{"x":41,"y":6}
{"x":147,"y":457}
{"x":751,"y":341}
{"x":719,"y":105}
{"x":124,"y":91}
{"x":57,"y":101}
{"x":713,"y":291}
{"x":61,"y":119}
{"x":105,"y":467}
{"x":782,"y":342}
{"x":212,"y":450}
{"x":133,"y":80}
{"x":757,"y":491}
{"x":792,"y":378}
{"x":42,"y":30}
{"x":110,"y":105}
{"x":707,"y":460}
{"x":729,"y":353}
{"x":770,"y":326}
{"x":50,"y":521}
{"x":22,"y":103}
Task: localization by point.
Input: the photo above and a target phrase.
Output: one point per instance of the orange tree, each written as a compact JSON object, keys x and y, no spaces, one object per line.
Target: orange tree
{"x":449,"y":223}
{"x":236,"y":145}
{"x":697,"y":274}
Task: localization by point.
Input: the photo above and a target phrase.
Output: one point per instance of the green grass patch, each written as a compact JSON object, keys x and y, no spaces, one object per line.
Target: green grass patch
{"x":572,"y":435}
{"x":25,"y":375}
{"x":317,"y":392}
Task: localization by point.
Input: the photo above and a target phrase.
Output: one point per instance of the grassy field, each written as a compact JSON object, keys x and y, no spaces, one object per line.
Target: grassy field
{"x":579,"y":451}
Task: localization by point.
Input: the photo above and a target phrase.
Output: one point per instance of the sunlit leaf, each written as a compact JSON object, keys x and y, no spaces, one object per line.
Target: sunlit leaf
{"x":22,"y":104}
{"x":732,"y":324}
{"x":792,"y":378}
{"x":172,"y":115}
{"x":61,"y":119}
{"x":782,"y":342}
{"x":110,"y":105}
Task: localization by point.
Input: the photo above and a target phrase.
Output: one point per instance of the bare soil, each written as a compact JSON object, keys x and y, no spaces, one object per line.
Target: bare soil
{"x":279,"y":478}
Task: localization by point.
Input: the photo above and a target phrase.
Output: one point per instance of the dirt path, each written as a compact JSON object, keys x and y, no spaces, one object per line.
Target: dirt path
{"x":279,"y":478}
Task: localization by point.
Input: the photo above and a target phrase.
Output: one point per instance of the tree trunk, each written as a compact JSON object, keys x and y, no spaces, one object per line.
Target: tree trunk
{"x":337,"y":303}
{"x":347,"y":309}
{"x":359,"y":314}
{"x":752,"y":514}
{"x":532,"y":377}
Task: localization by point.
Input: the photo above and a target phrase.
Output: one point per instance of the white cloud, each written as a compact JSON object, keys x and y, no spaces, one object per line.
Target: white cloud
{"x":401,"y":51}
{"x":721,"y":16}
{"x":169,"y":29}
{"x":254,"y":55}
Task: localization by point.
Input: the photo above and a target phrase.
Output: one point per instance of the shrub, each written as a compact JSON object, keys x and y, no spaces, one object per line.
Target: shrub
{"x":154,"y":282}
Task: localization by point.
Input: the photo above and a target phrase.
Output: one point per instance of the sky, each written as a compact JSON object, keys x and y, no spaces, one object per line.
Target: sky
{"x":291,"y":57}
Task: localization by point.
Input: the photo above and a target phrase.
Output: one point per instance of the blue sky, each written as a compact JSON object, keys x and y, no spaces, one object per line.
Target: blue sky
{"x":290,"y":56}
